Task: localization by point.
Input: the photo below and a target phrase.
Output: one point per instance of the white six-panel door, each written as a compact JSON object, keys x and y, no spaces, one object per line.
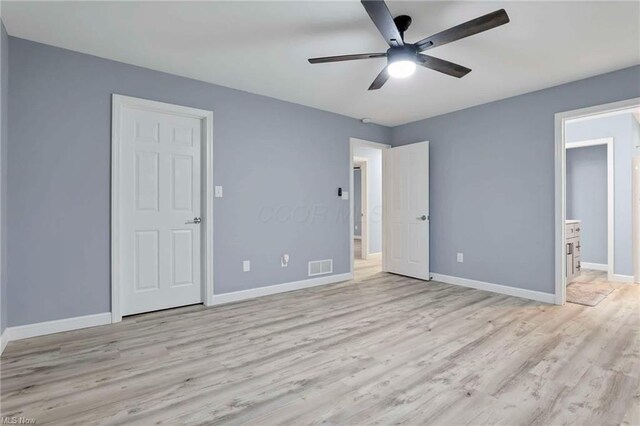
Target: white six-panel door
{"x":406,"y":182}
{"x":160,"y":166}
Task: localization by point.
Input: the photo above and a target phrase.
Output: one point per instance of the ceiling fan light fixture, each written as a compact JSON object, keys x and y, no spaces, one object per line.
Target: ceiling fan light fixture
{"x":402,"y":57}
{"x":401,"y":61}
{"x":401,"y":69}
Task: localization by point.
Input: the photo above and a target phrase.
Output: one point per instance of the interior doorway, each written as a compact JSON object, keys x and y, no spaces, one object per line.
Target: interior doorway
{"x":161,"y":211}
{"x":366,"y":207}
{"x":360,"y":208}
{"x":597,"y":203}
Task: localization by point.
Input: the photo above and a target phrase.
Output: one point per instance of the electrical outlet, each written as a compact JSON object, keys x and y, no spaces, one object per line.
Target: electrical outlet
{"x":246,"y":266}
{"x":284,"y":260}
{"x":460,"y":258}
{"x":218,"y":192}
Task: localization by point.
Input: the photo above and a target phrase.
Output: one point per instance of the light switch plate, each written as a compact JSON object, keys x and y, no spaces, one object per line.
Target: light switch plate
{"x":460,"y":258}
{"x":246,"y":266}
{"x":218,"y":191}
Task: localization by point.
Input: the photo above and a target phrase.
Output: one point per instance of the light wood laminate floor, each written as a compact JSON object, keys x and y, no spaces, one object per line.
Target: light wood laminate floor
{"x":384,"y":350}
{"x":364,"y":269}
{"x":591,"y":276}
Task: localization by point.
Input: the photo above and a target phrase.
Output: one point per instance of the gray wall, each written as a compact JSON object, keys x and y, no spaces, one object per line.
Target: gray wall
{"x":587,"y":199}
{"x":4,"y":79}
{"x":621,"y":128}
{"x":492,"y":180}
{"x":374,"y":194}
{"x":357,"y":202}
{"x":58,"y":196}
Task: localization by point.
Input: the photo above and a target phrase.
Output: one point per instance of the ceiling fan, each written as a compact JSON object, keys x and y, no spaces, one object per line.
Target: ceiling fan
{"x":402,"y":57}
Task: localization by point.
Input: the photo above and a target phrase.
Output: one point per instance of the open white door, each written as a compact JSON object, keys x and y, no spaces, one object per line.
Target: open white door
{"x":406,"y":210}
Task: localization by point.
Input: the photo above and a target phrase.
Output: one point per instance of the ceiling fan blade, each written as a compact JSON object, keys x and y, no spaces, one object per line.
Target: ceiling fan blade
{"x":380,"y":80}
{"x":475,"y":26}
{"x":346,"y":58}
{"x":442,"y":66}
{"x":381,"y":17}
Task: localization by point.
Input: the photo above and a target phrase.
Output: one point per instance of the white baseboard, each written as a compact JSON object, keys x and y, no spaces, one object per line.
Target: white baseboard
{"x":594,"y":266}
{"x":236,"y":296}
{"x":621,"y":278}
{"x":68,"y":324}
{"x":4,"y":339}
{"x":496,"y":288}
{"x":57,"y":326}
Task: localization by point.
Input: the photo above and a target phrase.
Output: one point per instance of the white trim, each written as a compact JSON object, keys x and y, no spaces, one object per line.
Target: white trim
{"x":363,"y":164}
{"x":368,"y":144}
{"x":609,"y":113}
{"x":207,"y":204}
{"x":364,"y":208}
{"x":560,"y":184}
{"x":621,"y":278}
{"x":384,"y":215}
{"x":635,"y":215}
{"x":57,"y":326}
{"x":495,"y":288}
{"x":236,"y":296}
{"x":3,"y":343}
{"x":594,"y":266}
{"x":609,"y":142}
{"x":118,"y":101}
{"x":588,"y":142}
{"x":4,"y":339}
{"x":360,"y":142}
{"x":77,"y":323}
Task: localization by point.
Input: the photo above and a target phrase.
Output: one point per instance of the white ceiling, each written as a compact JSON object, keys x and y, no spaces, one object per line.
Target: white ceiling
{"x":262,"y":47}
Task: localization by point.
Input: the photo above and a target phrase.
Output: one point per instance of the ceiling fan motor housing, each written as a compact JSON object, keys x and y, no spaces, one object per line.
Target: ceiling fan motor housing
{"x":403,"y":22}
{"x":408,"y":52}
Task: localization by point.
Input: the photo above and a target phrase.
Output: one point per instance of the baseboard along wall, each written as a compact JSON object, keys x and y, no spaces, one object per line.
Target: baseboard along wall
{"x":236,"y":296}
{"x":68,"y":324}
{"x":594,"y":266}
{"x":496,"y":288}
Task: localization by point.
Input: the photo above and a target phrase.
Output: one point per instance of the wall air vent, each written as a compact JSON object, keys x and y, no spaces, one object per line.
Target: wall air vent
{"x":320,"y":267}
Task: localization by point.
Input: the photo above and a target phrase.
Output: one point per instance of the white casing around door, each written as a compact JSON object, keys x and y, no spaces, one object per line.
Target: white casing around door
{"x":406,"y":212}
{"x":160,"y":161}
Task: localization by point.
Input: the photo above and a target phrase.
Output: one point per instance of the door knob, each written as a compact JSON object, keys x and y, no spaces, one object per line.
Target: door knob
{"x":423,"y":217}
{"x":195,"y":220}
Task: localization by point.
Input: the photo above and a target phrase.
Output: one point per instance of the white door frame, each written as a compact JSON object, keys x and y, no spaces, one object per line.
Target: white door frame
{"x":610,"y":194}
{"x":206,"y":117}
{"x":353,"y":142}
{"x":635,"y":215}
{"x":560,"y":178}
{"x":364,"y":207}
